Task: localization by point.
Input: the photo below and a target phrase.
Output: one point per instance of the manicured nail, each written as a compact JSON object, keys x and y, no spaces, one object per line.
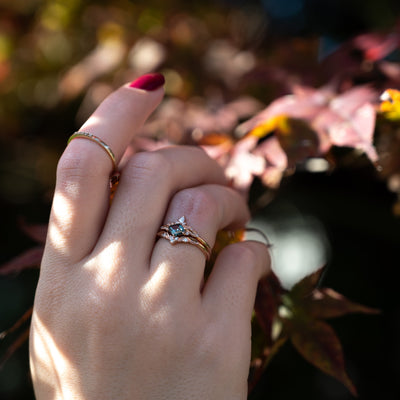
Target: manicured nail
{"x":148,"y":82}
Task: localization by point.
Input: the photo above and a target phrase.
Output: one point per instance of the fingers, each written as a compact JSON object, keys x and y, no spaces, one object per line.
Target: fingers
{"x":81,"y":196}
{"x":207,"y":209}
{"x":148,"y":182}
{"x":230,"y":291}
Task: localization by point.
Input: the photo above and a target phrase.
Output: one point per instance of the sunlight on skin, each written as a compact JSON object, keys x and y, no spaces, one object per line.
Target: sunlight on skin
{"x":159,"y":278}
{"x":61,"y":211}
{"x":159,"y":284}
{"x":109,"y":276}
{"x":47,"y":355}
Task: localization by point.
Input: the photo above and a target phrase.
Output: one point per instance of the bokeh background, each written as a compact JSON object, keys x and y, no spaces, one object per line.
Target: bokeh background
{"x":60,"y":58}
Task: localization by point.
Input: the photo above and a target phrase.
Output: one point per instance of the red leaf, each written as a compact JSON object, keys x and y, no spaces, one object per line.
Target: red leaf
{"x":298,"y":140}
{"x":267,"y":302}
{"x":306,"y":104}
{"x":21,"y":339}
{"x":376,"y":46}
{"x":27,"y":314}
{"x":306,"y":286}
{"x":37,"y":232}
{"x":243,"y":164}
{"x":318,"y":344}
{"x":349,"y":120}
{"x":29,"y":259}
{"x":326,"y":303}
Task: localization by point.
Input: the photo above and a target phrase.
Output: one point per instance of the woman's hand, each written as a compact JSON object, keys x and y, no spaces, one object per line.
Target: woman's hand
{"x":119,"y":314}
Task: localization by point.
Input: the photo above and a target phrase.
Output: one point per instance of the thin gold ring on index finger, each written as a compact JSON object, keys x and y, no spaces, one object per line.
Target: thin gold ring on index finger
{"x":101,"y":143}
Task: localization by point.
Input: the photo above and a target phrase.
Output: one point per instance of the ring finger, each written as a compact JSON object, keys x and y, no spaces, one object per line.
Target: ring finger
{"x":207,"y":209}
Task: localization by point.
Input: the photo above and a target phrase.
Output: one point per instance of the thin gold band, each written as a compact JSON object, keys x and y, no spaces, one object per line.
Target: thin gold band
{"x":185,"y":239}
{"x":95,"y":139}
{"x":189,"y":232}
{"x":180,"y":232}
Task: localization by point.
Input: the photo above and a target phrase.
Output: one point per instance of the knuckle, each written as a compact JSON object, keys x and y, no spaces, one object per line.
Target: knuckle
{"x":145,"y":165}
{"x":75,"y":166}
{"x":246,"y":256}
{"x":196,"y":202}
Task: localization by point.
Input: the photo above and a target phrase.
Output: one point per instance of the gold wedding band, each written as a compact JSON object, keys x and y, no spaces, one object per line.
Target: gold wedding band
{"x":180,"y":232}
{"x":101,"y":143}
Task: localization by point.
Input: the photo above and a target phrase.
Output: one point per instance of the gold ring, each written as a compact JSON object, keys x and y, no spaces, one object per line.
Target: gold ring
{"x":180,"y":232}
{"x":95,"y":139}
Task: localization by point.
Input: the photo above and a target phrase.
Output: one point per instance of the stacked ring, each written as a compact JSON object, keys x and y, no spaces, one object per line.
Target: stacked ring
{"x":180,"y":232}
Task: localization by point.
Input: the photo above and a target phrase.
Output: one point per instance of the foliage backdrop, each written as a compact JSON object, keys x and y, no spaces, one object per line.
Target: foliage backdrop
{"x":224,"y":63}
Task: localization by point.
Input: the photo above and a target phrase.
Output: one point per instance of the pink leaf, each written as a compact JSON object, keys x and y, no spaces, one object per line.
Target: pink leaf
{"x":29,"y":259}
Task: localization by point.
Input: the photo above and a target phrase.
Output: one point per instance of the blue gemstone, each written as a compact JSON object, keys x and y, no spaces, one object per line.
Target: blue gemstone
{"x":176,"y":230}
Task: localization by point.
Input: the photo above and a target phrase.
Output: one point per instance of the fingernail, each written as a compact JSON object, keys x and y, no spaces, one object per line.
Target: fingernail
{"x":148,"y":82}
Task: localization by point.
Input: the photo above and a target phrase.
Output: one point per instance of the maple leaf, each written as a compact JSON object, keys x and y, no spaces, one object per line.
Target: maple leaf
{"x":296,"y":138}
{"x":21,"y":338}
{"x":390,"y":105}
{"x":296,"y":315}
{"x":376,"y":46}
{"x":310,"y":121}
{"x":243,"y":165}
{"x":30,"y":258}
{"x":327,"y":303}
{"x":387,"y":139}
{"x":317,"y":343}
{"x":314,"y":339}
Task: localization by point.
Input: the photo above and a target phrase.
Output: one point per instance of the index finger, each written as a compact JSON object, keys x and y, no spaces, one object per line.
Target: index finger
{"x":81,"y":196}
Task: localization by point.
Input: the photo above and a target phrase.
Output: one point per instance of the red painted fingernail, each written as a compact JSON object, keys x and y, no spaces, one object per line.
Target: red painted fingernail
{"x":148,"y":82}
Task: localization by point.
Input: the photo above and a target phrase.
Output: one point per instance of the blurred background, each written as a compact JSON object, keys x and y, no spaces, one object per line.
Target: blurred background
{"x":60,"y":58}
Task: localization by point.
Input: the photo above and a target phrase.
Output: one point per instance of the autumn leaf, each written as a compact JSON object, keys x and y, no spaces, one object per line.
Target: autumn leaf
{"x":296,"y":137}
{"x":342,"y":119}
{"x":244,"y":164}
{"x":30,"y":258}
{"x":21,"y":338}
{"x":264,"y":343}
{"x":298,"y":314}
{"x":327,"y":303}
{"x":36,"y":232}
{"x":390,"y":105}
{"x":376,"y":46}
{"x":349,"y":120}
{"x":315,"y":339}
{"x":318,"y":344}
{"x":267,"y":302}
{"x":387,"y":140}
{"x":17,"y":343}
{"x":306,"y":285}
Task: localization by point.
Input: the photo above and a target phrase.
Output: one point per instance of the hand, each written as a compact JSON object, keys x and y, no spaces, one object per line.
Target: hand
{"x":119,"y":314}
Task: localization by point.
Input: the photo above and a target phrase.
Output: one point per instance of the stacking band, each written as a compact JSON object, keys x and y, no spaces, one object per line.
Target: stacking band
{"x":95,"y":139}
{"x":180,"y":232}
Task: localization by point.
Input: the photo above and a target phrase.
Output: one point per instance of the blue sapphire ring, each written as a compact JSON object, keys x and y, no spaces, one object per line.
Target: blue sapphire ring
{"x":180,"y":232}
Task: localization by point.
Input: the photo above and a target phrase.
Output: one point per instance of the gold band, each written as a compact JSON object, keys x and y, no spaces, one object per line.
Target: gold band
{"x":180,"y":232}
{"x":95,"y":139}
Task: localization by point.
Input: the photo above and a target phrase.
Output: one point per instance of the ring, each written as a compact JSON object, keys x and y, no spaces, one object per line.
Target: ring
{"x":180,"y":232}
{"x":95,"y":139}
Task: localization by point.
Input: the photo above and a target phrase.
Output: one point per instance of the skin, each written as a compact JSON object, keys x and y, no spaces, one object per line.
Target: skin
{"x":119,"y":314}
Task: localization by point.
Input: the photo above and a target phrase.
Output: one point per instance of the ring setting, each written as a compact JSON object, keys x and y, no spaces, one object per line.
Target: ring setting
{"x":180,"y":232}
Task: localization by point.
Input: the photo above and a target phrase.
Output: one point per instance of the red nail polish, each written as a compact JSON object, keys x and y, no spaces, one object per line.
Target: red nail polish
{"x":148,"y":82}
